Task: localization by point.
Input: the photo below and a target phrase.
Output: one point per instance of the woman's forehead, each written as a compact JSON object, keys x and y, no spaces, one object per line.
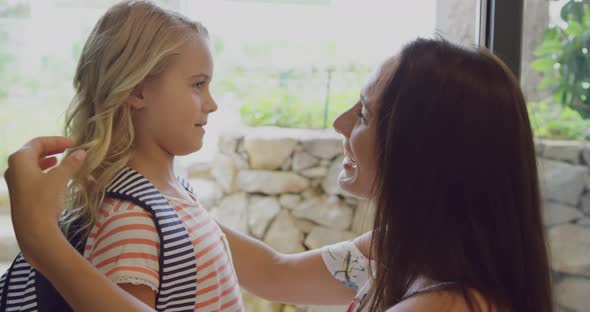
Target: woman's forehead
{"x":379,"y":78}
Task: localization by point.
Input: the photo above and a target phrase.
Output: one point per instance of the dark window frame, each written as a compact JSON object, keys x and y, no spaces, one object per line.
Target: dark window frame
{"x":500,"y":30}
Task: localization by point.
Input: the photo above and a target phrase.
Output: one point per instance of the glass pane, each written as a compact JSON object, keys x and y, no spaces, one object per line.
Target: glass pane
{"x":287,"y":63}
{"x":40,"y":42}
{"x":284,"y":63}
{"x":556,"y":81}
{"x":298,"y":64}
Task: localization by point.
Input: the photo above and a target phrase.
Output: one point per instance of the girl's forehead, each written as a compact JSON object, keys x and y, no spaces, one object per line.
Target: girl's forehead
{"x":194,"y":57}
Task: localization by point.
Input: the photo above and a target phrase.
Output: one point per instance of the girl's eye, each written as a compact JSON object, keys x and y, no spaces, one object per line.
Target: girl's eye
{"x":198,"y":85}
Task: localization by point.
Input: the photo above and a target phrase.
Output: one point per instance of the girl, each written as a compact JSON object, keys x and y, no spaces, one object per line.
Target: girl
{"x":142,"y":98}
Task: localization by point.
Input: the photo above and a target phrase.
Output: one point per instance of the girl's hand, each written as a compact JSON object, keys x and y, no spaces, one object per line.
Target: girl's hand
{"x":37,"y":194}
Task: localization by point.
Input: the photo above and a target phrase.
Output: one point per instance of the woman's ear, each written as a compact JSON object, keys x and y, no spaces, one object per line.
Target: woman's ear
{"x":136,"y":99}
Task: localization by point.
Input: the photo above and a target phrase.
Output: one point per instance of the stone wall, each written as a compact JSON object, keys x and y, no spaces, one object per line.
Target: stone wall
{"x":563,"y":172}
{"x":279,"y":185}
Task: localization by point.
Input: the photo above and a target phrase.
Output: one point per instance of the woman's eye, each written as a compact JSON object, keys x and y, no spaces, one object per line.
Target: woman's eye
{"x":360,"y":114}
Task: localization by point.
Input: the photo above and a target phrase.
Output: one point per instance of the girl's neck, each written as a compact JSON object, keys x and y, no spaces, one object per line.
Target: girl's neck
{"x":158,"y":168}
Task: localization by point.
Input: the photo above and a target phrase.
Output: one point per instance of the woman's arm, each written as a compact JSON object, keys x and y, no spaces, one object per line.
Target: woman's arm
{"x":80,"y":283}
{"x":300,"y":278}
{"x":38,"y":235}
{"x":297,"y":278}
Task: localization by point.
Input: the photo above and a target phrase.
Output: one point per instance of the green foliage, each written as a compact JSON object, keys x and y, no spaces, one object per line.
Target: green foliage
{"x":296,"y":100}
{"x":283,"y":108}
{"x":564,"y":58}
{"x":554,"y":122}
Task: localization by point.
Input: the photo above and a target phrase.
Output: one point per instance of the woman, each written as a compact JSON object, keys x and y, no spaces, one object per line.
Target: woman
{"x":440,"y":141}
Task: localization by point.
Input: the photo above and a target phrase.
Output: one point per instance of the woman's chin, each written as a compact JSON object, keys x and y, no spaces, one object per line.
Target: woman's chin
{"x":347,"y":180}
{"x":346,"y":176}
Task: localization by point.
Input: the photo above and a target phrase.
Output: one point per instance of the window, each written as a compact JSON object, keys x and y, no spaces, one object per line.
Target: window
{"x":555,"y":79}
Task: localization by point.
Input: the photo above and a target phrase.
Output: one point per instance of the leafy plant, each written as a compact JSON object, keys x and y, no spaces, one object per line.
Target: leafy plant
{"x":564,"y":58}
{"x":554,"y":122}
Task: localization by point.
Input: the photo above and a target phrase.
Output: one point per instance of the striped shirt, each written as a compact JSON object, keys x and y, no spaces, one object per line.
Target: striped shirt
{"x":124,"y":245}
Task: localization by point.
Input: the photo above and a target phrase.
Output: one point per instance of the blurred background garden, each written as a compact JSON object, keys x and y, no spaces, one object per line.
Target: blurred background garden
{"x":287,"y":63}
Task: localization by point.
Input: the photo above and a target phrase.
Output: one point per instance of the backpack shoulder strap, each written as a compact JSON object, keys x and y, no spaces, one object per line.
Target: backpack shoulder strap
{"x":22,"y":288}
{"x":177,"y":260}
{"x":4,"y":282}
{"x":187,"y":186}
{"x":19,"y":284}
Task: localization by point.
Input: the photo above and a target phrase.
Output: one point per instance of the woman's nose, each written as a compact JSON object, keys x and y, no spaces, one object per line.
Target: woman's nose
{"x":343,"y":123}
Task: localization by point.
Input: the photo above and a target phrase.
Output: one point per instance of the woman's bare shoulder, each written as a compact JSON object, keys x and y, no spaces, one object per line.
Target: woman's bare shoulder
{"x":444,"y":301}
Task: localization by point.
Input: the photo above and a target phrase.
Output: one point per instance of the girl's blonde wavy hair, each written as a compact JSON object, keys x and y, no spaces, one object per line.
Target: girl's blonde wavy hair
{"x":133,"y":41}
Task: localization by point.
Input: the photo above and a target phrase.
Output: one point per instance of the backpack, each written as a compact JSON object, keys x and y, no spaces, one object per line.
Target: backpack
{"x":22,"y":288}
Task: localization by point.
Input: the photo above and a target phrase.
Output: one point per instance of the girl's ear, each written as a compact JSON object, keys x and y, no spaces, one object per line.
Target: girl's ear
{"x":136,"y":99}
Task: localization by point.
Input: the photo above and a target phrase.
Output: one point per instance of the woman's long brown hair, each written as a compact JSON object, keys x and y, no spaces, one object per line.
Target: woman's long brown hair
{"x":458,"y":195}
